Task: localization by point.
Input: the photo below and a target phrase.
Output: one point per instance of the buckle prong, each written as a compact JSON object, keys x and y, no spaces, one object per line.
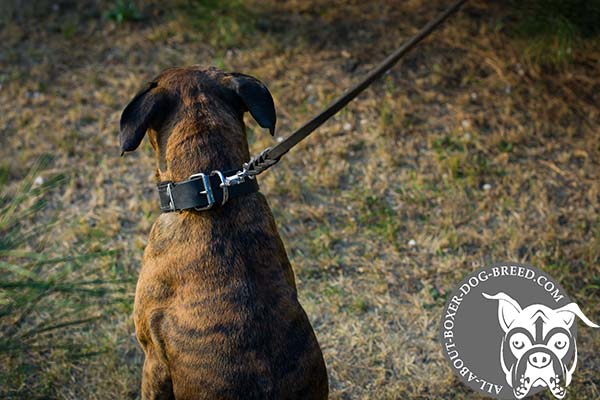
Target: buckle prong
{"x":207,"y":191}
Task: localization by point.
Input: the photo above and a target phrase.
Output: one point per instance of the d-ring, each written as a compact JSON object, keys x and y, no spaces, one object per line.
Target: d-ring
{"x":223,"y":186}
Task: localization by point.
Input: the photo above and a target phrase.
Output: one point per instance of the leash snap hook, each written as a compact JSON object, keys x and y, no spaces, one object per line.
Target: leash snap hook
{"x":236,"y":179}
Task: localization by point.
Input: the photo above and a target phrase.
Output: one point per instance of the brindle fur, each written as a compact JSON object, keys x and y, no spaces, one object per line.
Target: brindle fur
{"x":216,"y":309}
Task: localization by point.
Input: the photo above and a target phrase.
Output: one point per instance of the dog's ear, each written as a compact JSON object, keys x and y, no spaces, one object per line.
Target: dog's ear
{"x":568,"y":313}
{"x":508,"y":309}
{"x":256,"y":98}
{"x":146,"y":110}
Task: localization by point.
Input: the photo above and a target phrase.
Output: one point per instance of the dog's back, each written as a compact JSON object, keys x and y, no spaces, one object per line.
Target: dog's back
{"x":216,"y":301}
{"x":216,"y":308}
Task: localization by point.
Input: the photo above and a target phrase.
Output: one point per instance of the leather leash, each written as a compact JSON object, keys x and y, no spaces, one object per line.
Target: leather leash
{"x":280,"y":149}
{"x":201,"y":192}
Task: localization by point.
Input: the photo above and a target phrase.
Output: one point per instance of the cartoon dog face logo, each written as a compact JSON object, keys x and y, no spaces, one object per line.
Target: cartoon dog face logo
{"x":538,"y":345}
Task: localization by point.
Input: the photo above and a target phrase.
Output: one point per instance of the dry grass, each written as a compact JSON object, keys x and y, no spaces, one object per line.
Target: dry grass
{"x":408,"y":160}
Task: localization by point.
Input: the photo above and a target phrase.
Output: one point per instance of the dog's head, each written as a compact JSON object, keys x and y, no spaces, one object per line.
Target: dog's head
{"x":538,"y":345}
{"x":194,"y":119}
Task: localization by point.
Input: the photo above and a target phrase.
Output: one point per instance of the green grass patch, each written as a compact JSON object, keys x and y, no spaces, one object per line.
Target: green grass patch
{"x":439,"y":298}
{"x":123,"y":11}
{"x":222,"y":23}
{"x":379,"y":218}
{"x":47,"y":305}
{"x":554,"y":29}
{"x":447,"y":143}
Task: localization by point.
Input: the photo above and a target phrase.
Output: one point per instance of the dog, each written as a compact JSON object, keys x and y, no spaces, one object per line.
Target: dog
{"x":538,"y":345}
{"x":216,"y":309}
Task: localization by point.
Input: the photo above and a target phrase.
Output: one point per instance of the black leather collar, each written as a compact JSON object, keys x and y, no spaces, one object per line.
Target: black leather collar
{"x":202,"y":191}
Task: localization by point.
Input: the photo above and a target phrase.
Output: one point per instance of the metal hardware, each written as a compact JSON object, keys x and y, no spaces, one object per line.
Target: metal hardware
{"x":236,"y":179}
{"x":207,"y":191}
{"x":223,"y":185}
{"x":255,"y":166}
{"x":171,"y":201}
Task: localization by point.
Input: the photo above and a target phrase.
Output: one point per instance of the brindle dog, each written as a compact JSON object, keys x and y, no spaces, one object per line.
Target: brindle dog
{"x":216,"y":309}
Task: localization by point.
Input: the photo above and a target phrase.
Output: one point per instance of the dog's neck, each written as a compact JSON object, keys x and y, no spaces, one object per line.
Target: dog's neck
{"x":202,"y":144}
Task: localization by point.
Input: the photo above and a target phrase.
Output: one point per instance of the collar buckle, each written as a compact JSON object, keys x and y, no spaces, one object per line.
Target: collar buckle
{"x":204,"y":191}
{"x":210,"y":198}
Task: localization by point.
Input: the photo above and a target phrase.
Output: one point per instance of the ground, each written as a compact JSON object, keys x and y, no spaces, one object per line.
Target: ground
{"x":463,"y":155}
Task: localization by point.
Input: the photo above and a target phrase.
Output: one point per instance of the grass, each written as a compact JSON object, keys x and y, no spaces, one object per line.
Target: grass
{"x":467,"y":153}
{"x":223,"y":23}
{"x":554,"y":29}
{"x":49,"y":307}
{"x":123,"y":11}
